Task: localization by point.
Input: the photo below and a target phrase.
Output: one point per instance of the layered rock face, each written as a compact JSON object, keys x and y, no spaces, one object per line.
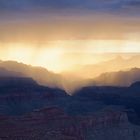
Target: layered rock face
{"x":113,"y":126}
{"x":53,"y":124}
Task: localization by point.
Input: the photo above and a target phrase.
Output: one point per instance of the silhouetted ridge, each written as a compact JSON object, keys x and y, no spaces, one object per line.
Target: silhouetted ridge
{"x":20,"y":95}
{"x":8,"y":73}
{"x":17,"y":81}
{"x":136,"y":84}
{"x":120,"y":78}
{"x":26,"y":85}
{"x":39,"y":74}
{"x":19,"y":85}
{"x":125,"y":96}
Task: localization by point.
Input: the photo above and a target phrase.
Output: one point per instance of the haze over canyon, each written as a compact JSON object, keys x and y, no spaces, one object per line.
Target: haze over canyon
{"x":69,"y":69}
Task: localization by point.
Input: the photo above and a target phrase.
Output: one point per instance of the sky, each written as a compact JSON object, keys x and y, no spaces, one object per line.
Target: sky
{"x":59,"y":34}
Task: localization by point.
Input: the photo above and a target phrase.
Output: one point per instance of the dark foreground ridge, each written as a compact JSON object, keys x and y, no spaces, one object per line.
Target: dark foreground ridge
{"x":54,"y":124}
{"x":30,"y":111}
{"x":20,"y":95}
{"x":129,"y":97}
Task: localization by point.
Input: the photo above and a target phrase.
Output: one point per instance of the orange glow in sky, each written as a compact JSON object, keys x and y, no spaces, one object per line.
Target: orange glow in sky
{"x":54,"y":55}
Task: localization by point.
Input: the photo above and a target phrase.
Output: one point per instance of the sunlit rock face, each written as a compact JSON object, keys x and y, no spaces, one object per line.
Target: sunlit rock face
{"x":54,"y":124}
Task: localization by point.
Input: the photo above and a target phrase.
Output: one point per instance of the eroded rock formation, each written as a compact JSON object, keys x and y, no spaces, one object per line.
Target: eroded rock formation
{"x":53,"y":123}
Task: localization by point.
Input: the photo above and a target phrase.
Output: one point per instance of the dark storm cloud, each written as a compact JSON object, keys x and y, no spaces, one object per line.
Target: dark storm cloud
{"x":134,"y":3}
{"x":12,"y":5}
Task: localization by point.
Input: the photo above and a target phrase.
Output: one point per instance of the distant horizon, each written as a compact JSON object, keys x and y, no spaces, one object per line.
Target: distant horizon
{"x":60,"y":34}
{"x":73,"y":39}
{"x":106,"y":57}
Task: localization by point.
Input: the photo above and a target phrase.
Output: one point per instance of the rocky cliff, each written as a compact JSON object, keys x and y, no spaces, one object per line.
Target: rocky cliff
{"x":53,"y":123}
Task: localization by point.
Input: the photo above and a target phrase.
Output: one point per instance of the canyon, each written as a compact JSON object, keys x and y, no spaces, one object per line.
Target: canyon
{"x":53,"y":123}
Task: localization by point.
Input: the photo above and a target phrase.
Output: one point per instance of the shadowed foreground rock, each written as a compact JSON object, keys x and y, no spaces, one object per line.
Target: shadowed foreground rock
{"x":53,"y":124}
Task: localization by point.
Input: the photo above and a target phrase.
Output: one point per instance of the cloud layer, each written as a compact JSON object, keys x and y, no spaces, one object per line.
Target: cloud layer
{"x":97,"y":5}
